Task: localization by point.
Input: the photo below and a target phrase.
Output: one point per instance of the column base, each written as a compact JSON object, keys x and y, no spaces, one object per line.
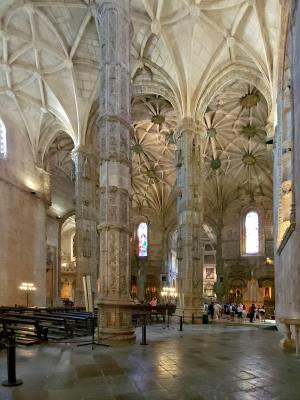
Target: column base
{"x":191,"y":308}
{"x":115,"y":322}
{"x":288,"y":344}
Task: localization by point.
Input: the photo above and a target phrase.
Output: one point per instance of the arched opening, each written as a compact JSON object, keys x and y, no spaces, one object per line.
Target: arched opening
{"x":60,"y":196}
{"x":68,"y":259}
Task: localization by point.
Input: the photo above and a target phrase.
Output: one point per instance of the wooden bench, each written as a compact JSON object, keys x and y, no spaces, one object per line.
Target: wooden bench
{"x":24,"y":326}
{"x":82,"y":324}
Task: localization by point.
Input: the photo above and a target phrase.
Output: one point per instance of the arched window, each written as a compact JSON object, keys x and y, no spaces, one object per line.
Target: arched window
{"x":252,"y":232}
{"x":142,"y":233}
{"x":3,"y":148}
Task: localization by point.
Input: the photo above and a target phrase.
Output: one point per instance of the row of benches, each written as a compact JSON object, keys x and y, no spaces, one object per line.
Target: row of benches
{"x":32,"y":326}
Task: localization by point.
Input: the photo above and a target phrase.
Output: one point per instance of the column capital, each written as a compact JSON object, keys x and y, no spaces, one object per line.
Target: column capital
{"x":270,"y":130}
{"x":84,"y":150}
{"x":83,"y":154}
{"x":191,"y":125}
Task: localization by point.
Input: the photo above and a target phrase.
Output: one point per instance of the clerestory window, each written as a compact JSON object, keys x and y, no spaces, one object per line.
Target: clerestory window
{"x":142,"y":233}
{"x":252,"y":233}
{"x":3,"y":145}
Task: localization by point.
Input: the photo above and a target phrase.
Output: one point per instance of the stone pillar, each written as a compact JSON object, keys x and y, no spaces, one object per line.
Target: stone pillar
{"x":189,"y":219}
{"x":86,"y":240}
{"x":54,"y":299}
{"x":113,"y":19}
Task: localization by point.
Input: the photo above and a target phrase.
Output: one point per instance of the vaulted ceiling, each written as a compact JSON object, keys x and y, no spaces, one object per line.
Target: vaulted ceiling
{"x":194,"y":58}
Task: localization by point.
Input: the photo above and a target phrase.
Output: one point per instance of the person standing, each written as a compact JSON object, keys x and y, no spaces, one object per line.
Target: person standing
{"x":252,"y":312}
{"x":211,"y":310}
{"x":262,"y":313}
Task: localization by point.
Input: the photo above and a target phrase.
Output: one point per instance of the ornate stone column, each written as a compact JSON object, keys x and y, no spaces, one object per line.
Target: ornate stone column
{"x":189,"y":219}
{"x":86,"y":240}
{"x":113,"y":19}
{"x":219,"y":286}
{"x":52,"y":260}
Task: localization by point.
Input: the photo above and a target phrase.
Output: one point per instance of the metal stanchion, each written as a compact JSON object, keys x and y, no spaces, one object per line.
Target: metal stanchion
{"x":11,"y":362}
{"x":144,"y":341}
{"x":180,"y":323}
{"x":168,"y":321}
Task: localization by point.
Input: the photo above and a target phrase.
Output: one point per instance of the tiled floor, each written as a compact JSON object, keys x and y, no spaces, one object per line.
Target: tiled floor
{"x":216,"y":362}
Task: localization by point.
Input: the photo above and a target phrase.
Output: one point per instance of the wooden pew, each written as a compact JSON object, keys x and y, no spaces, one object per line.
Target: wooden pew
{"x":27,"y":330}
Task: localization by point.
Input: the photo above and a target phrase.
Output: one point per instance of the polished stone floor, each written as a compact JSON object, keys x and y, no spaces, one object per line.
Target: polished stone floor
{"x":207,"y":362}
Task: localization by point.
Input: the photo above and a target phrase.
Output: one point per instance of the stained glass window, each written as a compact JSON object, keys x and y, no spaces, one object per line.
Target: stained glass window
{"x":252,"y":234}
{"x":2,"y":140}
{"x":143,"y":239}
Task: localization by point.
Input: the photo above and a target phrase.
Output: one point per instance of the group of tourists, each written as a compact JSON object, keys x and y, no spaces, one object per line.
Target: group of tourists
{"x":231,"y":311}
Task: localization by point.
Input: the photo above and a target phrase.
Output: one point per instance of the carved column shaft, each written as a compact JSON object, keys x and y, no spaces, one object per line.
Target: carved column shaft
{"x":86,"y":221}
{"x":54,"y":276}
{"x":219,"y":285}
{"x":113,"y":18}
{"x":189,"y":218}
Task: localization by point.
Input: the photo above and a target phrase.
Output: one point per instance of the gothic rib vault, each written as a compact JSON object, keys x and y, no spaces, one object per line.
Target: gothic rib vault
{"x":181,"y":49}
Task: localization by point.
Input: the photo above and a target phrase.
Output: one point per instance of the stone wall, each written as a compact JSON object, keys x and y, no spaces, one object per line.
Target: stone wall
{"x":22,"y":223}
{"x":250,"y":274}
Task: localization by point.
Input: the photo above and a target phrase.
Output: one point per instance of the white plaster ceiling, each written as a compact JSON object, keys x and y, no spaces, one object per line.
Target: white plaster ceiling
{"x":49,"y":54}
{"x":237,"y":163}
{"x":235,"y":136}
{"x":190,"y":41}
{"x":153,"y":152}
{"x":185,"y":49}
